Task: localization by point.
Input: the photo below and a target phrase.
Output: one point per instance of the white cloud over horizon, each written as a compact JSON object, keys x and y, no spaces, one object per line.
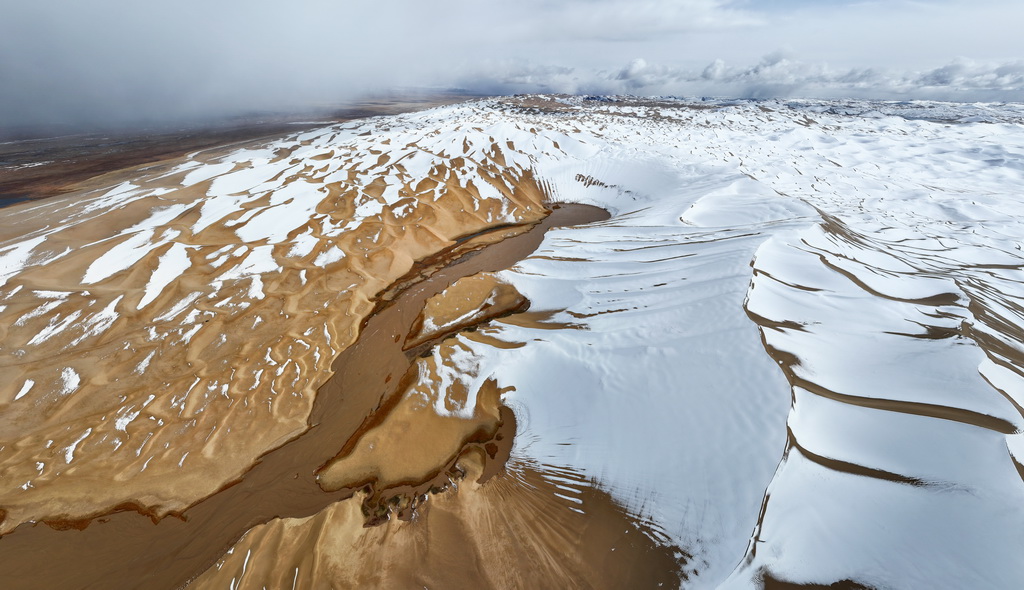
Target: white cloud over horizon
{"x":123,"y":61}
{"x":774,"y":76}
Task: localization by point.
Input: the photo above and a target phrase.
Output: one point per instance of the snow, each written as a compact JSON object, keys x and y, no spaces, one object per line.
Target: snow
{"x":14,"y":257}
{"x":294,"y":206}
{"x":25,"y":388}
{"x":303,"y":244}
{"x":258,"y":261}
{"x":329,"y":256}
{"x":865,"y":233}
{"x":206,"y":172}
{"x":178,"y":307}
{"x":98,"y":323}
{"x":170,"y":266}
{"x":69,"y":453}
{"x":56,"y":326}
{"x":70,"y":380}
{"x":120,"y":257}
{"x":250,"y":180}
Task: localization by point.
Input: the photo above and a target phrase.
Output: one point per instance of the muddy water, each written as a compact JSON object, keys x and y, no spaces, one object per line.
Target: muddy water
{"x":128,"y":550}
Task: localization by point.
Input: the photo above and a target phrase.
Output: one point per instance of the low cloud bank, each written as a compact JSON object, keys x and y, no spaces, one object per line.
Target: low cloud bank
{"x":106,"y":63}
{"x":775,"y":76}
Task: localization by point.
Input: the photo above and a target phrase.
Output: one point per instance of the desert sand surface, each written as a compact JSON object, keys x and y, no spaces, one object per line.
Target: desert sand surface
{"x":528,"y":342}
{"x":38,"y":164}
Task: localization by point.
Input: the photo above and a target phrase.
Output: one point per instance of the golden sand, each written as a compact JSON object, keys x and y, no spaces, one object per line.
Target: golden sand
{"x":126,"y":550}
{"x":197,"y":398}
{"x":163,"y":404}
{"x":435,"y":489}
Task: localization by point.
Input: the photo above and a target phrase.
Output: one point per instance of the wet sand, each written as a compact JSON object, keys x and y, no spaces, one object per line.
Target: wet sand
{"x":128,"y":550}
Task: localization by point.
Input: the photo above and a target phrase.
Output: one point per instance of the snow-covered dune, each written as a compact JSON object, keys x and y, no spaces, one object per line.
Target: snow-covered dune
{"x":794,"y":352}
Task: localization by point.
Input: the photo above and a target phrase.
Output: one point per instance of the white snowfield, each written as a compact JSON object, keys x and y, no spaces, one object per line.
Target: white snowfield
{"x":878,"y":249}
{"x":798,"y":350}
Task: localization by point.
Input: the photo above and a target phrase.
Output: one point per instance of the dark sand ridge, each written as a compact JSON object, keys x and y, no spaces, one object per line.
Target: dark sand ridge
{"x":469,"y":301}
{"x":803,"y":383}
{"x":125,"y":549}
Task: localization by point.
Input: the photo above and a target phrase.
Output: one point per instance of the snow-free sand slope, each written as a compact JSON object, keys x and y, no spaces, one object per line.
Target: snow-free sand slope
{"x":794,"y":352}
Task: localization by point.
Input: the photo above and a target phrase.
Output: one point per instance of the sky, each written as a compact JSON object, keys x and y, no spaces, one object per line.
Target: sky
{"x":111,"y":62}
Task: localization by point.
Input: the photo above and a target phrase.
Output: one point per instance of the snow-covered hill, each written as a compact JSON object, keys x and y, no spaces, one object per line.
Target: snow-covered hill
{"x":794,"y":352}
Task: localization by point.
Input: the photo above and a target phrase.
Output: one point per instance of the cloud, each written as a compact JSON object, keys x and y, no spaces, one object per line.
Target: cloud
{"x":637,"y":20}
{"x":107,"y":62}
{"x":777,"y":75}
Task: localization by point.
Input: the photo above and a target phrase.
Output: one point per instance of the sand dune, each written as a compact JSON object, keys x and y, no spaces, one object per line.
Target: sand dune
{"x":792,"y":354}
{"x":167,"y":331}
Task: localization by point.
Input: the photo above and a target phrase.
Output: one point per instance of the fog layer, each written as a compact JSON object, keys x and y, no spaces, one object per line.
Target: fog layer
{"x":121,"y":62}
